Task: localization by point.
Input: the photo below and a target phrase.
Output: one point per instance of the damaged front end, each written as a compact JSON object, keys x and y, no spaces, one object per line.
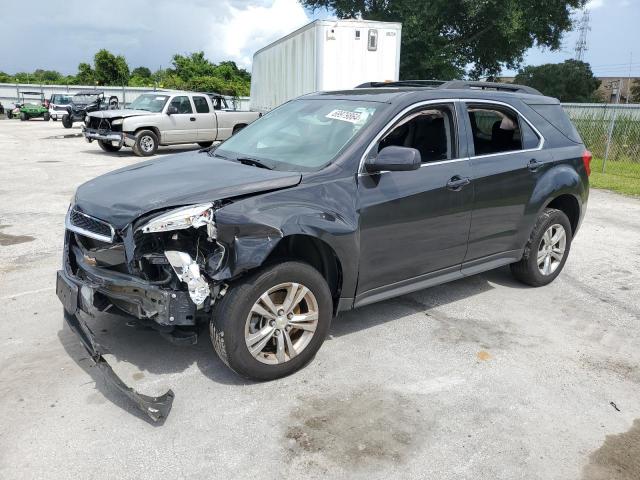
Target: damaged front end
{"x":157,"y":270}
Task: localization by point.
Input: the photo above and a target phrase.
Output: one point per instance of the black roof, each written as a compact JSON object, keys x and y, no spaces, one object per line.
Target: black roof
{"x":390,"y":93}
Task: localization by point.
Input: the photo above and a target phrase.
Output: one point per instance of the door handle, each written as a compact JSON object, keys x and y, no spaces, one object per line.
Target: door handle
{"x":457,"y":182}
{"x":534,"y":165}
{"x":193,"y":119}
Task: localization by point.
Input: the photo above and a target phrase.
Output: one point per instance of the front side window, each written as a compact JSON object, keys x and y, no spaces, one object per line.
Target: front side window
{"x":430,"y":131}
{"x":201,"y":104}
{"x":302,"y":135}
{"x":495,"y":129}
{"x":182,"y":104}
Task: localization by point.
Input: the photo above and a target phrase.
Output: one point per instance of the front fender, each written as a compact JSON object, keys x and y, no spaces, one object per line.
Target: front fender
{"x":252,"y":228}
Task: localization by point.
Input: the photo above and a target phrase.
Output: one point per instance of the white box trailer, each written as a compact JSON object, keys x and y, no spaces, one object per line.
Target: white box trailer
{"x":325,"y":55}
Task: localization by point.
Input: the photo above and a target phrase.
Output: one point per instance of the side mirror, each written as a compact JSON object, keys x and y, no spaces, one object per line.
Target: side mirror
{"x":172,"y":110}
{"x":394,"y":159}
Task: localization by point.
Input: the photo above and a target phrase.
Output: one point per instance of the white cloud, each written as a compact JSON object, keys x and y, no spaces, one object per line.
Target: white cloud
{"x":248,"y":29}
{"x":593,"y":4}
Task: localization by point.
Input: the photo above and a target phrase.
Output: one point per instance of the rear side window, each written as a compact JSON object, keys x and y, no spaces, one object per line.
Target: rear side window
{"x":495,"y":129}
{"x":558,"y":118}
{"x":201,"y":104}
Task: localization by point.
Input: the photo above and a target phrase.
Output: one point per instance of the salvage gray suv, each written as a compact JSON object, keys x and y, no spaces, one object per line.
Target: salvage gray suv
{"x":332,"y":201}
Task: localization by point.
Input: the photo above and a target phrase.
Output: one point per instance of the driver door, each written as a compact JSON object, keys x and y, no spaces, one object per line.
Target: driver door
{"x":180,"y":127}
{"x":414,"y":225}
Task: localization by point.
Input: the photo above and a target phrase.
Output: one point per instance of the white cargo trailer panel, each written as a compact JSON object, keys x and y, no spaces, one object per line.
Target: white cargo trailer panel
{"x":325,"y":55}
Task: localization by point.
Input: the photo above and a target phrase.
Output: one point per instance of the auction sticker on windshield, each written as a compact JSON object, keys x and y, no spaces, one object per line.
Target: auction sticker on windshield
{"x":345,"y":116}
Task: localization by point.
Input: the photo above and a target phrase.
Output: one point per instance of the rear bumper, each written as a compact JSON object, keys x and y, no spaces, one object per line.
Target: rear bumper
{"x":119,"y":138}
{"x":67,"y":289}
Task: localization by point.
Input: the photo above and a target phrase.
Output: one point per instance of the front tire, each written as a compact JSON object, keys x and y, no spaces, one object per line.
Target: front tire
{"x":146,"y":143}
{"x":546,"y":251}
{"x":273,"y":322}
{"x":66,"y":121}
{"x":108,"y":146}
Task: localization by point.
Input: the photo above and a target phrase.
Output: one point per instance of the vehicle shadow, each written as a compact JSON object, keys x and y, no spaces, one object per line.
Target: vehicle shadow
{"x":148,"y":352}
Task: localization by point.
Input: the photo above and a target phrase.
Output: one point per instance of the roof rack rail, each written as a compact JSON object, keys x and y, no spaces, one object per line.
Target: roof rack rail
{"x":503,"y":87}
{"x":455,"y":84}
{"x":404,"y":83}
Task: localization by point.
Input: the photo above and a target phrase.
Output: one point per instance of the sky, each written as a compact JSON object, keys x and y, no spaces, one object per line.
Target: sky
{"x":59,"y":34}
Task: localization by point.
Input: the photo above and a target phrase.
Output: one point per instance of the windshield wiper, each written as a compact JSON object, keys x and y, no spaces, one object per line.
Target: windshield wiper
{"x":253,"y":162}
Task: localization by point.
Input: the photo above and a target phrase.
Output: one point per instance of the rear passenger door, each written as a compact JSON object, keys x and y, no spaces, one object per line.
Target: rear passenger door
{"x":205,"y":119}
{"x":181,"y":126}
{"x":506,"y":162}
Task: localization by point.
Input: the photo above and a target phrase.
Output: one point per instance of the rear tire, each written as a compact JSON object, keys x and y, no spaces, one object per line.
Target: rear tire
{"x":546,"y":251}
{"x":146,"y":143}
{"x":235,"y":321}
{"x":108,"y":146}
{"x":205,"y":144}
{"x":66,"y":121}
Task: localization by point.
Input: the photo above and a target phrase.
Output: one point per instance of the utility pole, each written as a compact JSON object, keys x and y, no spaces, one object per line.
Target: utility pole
{"x":583,"y":29}
{"x":629,"y":77}
{"x":613,"y":122}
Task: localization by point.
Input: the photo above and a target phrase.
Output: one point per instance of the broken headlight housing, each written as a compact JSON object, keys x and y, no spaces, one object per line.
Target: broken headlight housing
{"x":195,"y":216}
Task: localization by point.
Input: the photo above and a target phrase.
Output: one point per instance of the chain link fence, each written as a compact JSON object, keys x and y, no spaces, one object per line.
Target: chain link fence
{"x":612,"y":134}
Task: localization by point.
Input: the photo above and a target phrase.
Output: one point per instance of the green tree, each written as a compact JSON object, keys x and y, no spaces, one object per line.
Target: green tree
{"x":193,"y":65}
{"x":85,"y":75}
{"x":142,"y":72}
{"x":570,"y":81}
{"x":635,"y":92}
{"x":447,"y":39}
{"x":5,"y":78}
{"x":110,"y":69}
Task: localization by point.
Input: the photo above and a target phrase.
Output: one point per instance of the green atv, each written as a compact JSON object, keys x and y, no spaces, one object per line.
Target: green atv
{"x":27,"y":111}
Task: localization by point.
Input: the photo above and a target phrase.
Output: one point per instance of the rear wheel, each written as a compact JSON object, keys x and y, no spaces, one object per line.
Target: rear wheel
{"x":546,"y":251}
{"x":66,"y":121}
{"x":108,"y":146}
{"x":273,"y":322}
{"x":205,"y":144}
{"x":237,"y":128}
{"x":146,"y":143}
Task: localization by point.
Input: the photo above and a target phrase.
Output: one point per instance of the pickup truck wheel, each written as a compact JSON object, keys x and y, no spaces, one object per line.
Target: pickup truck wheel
{"x":237,"y":128}
{"x":146,"y":143}
{"x":108,"y":146}
{"x":273,"y":322}
{"x":205,"y":144}
{"x":546,"y":251}
{"x":66,"y":121}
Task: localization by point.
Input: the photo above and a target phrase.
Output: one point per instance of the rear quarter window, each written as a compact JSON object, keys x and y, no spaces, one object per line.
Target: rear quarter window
{"x":557,"y":117}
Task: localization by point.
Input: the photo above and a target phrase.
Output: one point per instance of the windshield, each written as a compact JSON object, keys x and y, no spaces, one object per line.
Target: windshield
{"x":303,"y":135}
{"x":61,"y":99}
{"x":150,"y":103}
{"x":84,"y":98}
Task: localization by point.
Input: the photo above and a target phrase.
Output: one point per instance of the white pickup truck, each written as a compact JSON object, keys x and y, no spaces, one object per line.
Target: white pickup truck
{"x":165,"y":118}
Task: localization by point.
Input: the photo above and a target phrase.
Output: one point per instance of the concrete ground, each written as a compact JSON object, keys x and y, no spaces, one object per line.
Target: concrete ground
{"x":482,"y":378}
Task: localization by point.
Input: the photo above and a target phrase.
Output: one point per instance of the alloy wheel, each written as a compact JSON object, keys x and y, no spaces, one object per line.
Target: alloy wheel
{"x":147,"y":143}
{"x":551,"y":249}
{"x":281,"y":323}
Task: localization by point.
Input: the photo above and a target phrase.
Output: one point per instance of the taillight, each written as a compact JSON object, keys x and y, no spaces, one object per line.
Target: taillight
{"x":586,"y":159}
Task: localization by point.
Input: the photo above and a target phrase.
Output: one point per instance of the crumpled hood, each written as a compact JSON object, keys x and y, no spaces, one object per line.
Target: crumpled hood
{"x":121,"y":196}
{"x":119,"y":113}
